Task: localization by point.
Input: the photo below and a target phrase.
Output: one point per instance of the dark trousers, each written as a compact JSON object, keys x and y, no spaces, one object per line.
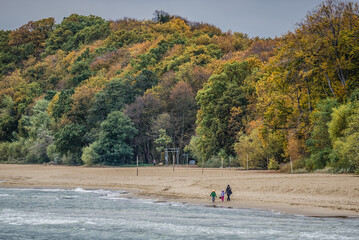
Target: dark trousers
{"x":228,"y":197}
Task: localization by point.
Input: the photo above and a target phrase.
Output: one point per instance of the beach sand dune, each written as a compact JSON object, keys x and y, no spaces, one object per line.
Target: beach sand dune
{"x":305,"y":194}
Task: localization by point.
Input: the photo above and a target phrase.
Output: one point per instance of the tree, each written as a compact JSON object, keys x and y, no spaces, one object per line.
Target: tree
{"x":319,"y":144}
{"x":328,"y":30}
{"x":146,"y":80}
{"x":183,"y":114}
{"x":8,"y":119}
{"x":350,"y":150}
{"x":82,"y":101}
{"x":7,"y":58}
{"x":40,"y":119}
{"x":69,"y":142}
{"x":143,"y":113}
{"x":114,"y":144}
{"x":38,"y":148}
{"x":161,"y":16}
{"x":343,"y":133}
{"x":226,"y":95}
{"x":31,"y":36}
{"x":61,"y":104}
{"x":80,"y":69}
{"x":37,"y":128}
{"x":313,"y":63}
{"x":114,"y":96}
{"x":76,"y":30}
{"x":162,"y":141}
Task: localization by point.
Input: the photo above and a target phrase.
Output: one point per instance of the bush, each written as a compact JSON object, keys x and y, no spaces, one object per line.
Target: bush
{"x":324,"y":170}
{"x":300,"y":170}
{"x":70,"y":159}
{"x":296,"y":164}
{"x":17,"y":151}
{"x":53,"y":155}
{"x":273,"y":164}
{"x":214,"y":161}
{"x":4,"y":151}
{"x":89,"y":156}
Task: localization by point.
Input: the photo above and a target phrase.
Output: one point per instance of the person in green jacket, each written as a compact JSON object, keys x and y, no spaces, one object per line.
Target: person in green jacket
{"x":213,"y":195}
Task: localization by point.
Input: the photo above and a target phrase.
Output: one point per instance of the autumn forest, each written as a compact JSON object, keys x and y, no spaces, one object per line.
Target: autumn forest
{"x":88,"y":91}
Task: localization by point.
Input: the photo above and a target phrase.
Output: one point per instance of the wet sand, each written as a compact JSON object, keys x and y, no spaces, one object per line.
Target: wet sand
{"x":322,"y":195}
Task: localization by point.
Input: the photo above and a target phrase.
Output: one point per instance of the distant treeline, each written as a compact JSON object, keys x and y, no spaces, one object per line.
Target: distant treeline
{"x":91,"y":91}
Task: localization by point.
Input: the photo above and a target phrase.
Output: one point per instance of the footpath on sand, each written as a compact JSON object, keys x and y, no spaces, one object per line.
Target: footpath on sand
{"x":305,"y":194}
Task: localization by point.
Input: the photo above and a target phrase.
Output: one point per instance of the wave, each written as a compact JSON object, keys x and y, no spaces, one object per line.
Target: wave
{"x":36,"y":189}
{"x":100,"y":191}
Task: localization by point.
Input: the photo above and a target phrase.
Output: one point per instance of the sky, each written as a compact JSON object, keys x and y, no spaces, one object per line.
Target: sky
{"x":262,"y":18}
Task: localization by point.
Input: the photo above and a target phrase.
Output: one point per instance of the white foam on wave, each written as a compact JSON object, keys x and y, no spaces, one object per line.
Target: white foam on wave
{"x":39,"y":189}
{"x":80,"y":190}
{"x":14,"y":217}
{"x":97,"y":191}
{"x":105,"y":194}
{"x":182,"y":229}
{"x":321,"y":235}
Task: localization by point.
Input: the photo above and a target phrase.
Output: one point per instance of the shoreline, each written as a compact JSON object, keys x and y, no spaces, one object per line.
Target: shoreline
{"x":315,"y":212}
{"x":315,"y":195}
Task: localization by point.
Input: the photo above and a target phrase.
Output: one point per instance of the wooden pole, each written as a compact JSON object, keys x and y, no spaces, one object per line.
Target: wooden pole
{"x":247,"y":161}
{"x":291,"y":165}
{"x":173,"y":162}
{"x":137,"y":165}
{"x":202,"y":164}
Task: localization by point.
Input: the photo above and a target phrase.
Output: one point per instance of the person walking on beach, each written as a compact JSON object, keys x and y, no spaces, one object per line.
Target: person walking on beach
{"x":213,"y":195}
{"x":222,"y":195}
{"x":229,"y":193}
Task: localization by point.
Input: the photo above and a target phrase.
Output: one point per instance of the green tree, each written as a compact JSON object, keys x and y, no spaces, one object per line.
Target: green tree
{"x":38,"y":147}
{"x":249,"y":147}
{"x":146,"y":80}
{"x":224,"y":99}
{"x":161,"y":16}
{"x":89,"y":156}
{"x":80,"y":69}
{"x":40,"y":119}
{"x":61,"y":104}
{"x":69,"y":141}
{"x":162,"y":142}
{"x":115,"y":95}
{"x":114,"y":144}
{"x":343,"y":131}
{"x":7,"y":58}
{"x":76,"y":30}
{"x":8,"y":118}
{"x":319,"y":144}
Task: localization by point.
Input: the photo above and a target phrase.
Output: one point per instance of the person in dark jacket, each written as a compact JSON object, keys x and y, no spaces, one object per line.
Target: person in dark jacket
{"x":229,"y":193}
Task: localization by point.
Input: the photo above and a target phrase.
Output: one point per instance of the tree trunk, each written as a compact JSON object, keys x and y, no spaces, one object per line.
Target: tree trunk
{"x":329,"y":84}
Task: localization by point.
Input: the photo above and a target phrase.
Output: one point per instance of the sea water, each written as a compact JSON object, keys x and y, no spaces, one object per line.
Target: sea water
{"x":101,"y":214}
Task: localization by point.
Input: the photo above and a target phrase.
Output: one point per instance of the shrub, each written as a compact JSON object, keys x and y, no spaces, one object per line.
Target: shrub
{"x":89,"y":155}
{"x":273,"y":164}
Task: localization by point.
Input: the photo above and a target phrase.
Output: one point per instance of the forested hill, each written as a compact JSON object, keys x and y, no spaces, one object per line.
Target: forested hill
{"x":91,"y":91}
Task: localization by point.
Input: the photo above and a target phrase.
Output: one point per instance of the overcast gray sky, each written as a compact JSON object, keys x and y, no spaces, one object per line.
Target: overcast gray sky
{"x":263,"y":18}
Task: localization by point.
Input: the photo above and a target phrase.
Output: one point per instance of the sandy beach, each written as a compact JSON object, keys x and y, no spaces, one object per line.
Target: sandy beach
{"x":322,"y":195}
